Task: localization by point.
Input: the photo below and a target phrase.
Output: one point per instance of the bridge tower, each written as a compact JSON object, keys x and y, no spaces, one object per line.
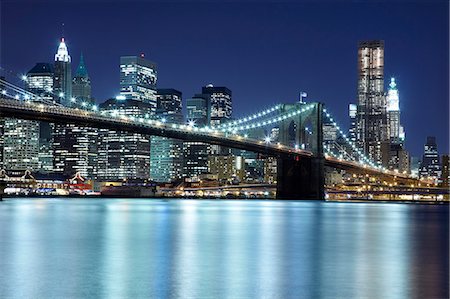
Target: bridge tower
{"x":301,"y":178}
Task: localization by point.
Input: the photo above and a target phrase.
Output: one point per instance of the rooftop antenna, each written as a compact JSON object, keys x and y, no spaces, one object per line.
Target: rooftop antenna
{"x":62,"y":30}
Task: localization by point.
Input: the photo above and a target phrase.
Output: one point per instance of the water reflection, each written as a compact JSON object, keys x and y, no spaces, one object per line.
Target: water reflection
{"x":222,"y":249}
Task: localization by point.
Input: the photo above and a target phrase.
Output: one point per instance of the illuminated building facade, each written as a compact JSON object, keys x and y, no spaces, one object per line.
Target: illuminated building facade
{"x":395,"y":130}
{"x":75,"y":147}
{"x":196,"y":154}
{"x":352,"y":111}
{"x":62,"y":83}
{"x":228,"y":169}
{"x":124,"y":155}
{"x":221,"y":103}
{"x":371,"y":120}
{"x":430,"y":166}
{"x":166,"y":155}
{"x":21,"y":144}
{"x":138,"y":78}
{"x":21,"y":137}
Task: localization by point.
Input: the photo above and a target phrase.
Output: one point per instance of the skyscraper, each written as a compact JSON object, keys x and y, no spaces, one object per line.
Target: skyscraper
{"x":371,"y":120}
{"x":138,"y":78}
{"x":124,"y":155}
{"x":430,"y":166}
{"x":40,"y":82}
{"x":81,"y":84}
{"x":21,"y":144}
{"x":196,"y":154}
{"x":394,"y":154}
{"x":395,"y":130}
{"x":352,"y":111}
{"x":21,"y":137}
{"x":74,"y":146}
{"x":221,"y":103}
{"x":62,"y":83}
{"x":166,"y":155}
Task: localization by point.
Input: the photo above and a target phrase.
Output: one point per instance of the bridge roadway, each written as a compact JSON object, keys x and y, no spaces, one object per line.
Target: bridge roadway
{"x":60,"y":114}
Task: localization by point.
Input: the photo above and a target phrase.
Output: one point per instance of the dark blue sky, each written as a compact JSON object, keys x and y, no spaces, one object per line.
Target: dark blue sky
{"x":264,"y":52}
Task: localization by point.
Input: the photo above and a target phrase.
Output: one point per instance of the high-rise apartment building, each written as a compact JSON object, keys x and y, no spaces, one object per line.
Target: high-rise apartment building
{"x":371,"y":120}
{"x":166,"y":155}
{"x":430,"y":166}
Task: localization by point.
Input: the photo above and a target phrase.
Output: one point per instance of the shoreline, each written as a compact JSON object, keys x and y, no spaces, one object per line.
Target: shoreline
{"x":100,"y":197}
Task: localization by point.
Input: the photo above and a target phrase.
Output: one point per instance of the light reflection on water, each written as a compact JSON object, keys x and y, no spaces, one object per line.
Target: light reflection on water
{"x":124,"y":248}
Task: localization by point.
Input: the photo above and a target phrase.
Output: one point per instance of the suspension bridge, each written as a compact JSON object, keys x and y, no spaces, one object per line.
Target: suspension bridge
{"x":301,"y":153}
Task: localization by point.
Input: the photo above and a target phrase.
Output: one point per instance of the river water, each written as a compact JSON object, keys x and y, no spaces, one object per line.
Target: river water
{"x":135,"y":248}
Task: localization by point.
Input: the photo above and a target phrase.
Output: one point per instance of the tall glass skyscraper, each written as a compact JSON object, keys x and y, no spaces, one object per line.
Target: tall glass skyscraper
{"x":124,"y":155}
{"x":166,"y":155}
{"x":138,"y":79}
{"x":371,"y":120}
{"x":196,"y":154}
{"x":221,"y":103}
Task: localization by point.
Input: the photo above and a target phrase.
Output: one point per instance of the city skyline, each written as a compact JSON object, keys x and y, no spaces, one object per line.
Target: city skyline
{"x":177,"y":71}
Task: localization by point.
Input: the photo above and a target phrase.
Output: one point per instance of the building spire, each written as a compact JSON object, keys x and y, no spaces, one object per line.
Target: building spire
{"x":62,"y":54}
{"x":81,"y":70}
{"x":393,"y":85}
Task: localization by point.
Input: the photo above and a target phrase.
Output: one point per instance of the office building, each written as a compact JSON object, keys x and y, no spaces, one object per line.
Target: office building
{"x":430,"y":167}
{"x":166,"y":155}
{"x":75,"y":147}
{"x":395,"y":130}
{"x":62,"y":82}
{"x":352,"y":111}
{"x":81,"y":84}
{"x":138,"y":80}
{"x":371,"y":119}
{"x":123,"y":155}
{"x":195,"y":154}
{"x":21,"y":144}
{"x":221,"y":103}
{"x":21,"y":137}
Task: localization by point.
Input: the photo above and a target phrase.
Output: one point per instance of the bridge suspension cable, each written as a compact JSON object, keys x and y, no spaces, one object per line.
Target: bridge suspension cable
{"x":273,"y":120}
{"x":249,"y":118}
{"x":361,"y":155}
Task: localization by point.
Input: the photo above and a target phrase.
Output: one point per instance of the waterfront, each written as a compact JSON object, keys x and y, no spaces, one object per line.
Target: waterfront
{"x":135,"y":248}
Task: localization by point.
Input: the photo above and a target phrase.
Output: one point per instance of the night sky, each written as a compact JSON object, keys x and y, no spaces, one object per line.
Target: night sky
{"x":265,"y":53}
